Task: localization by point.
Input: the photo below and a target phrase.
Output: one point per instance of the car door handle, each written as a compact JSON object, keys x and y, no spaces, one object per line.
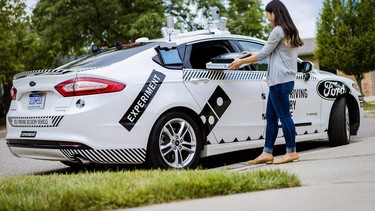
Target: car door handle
{"x":196,"y":80}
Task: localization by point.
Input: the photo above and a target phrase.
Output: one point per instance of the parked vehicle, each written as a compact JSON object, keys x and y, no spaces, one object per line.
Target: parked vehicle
{"x":155,"y":101}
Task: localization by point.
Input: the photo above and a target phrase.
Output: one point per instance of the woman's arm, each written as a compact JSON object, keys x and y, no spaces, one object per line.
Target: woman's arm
{"x":274,"y":39}
{"x":238,"y":62}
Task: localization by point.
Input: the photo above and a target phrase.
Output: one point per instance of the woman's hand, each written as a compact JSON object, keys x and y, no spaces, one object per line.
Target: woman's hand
{"x":235,"y":64}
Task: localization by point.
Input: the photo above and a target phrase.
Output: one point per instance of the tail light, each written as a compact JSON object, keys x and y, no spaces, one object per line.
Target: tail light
{"x":13,"y":93}
{"x":88,"y":86}
{"x":69,"y":144}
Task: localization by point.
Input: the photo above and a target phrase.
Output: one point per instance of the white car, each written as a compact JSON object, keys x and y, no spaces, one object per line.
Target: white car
{"x":156,"y":101}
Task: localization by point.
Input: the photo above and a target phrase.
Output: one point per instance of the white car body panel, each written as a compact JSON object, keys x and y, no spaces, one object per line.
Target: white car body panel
{"x":115,"y":127}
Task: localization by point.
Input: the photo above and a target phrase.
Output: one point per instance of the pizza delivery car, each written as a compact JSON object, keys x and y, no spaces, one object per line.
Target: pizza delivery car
{"x":168,"y":102}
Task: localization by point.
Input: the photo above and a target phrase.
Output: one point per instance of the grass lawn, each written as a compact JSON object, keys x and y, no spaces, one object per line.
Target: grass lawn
{"x":2,"y":123}
{"x":369,"y":106}
{"x":125,"y":189}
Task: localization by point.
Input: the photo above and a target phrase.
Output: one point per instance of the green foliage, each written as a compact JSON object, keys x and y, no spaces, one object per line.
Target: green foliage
{"x":69,"y":26}
{"x":114,"y":190}
{"x":345,"y":36}
{"x":245,"y":17}
{"x":15,"y":42}
{"x":369,"y":106}
{"x":14,"y":38}
{"x":180,"y":11}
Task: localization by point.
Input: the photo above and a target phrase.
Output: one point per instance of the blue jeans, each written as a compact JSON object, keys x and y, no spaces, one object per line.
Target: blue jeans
{"x":278,"y":107}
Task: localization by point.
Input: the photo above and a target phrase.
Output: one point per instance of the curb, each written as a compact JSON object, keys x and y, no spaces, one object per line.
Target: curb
{"x":3,"y":133}
{"x":369,"y":114}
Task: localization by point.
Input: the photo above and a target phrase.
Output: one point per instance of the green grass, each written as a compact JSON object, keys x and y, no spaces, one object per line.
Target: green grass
{"x":2,"y":123}
{"x":125,"y":189}
{"x":369,"y":106}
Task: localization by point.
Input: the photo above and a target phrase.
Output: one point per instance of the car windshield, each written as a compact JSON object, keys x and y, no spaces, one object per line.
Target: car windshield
{"x":106,"y":58}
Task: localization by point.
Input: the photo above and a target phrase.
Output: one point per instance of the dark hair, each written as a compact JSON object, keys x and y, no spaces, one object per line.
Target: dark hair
{"x":283,"y":19}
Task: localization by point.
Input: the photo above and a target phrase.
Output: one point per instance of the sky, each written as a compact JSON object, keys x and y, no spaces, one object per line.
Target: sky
{"x":303,"y":12}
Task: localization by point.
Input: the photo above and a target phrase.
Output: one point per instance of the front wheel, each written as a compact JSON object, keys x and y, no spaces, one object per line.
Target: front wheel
{"x":339,"y":124}
{"x":175,"y":142}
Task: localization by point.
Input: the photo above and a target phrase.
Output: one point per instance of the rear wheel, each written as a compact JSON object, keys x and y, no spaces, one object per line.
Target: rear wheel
{"x":175,"y":142}
{"x":339,"y":124}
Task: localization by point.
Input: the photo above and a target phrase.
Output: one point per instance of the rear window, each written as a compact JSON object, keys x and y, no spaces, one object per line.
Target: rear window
{"x":107,"y":58}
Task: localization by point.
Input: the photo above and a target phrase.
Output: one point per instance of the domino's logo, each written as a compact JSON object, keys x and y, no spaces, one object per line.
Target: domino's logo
{"x":215,"y":107}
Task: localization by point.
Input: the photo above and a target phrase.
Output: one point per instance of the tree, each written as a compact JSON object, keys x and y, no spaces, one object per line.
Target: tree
{"x":345,"y":37}
{"x":15,"y":44}
{"x":180,"y":10}
{"x":70,"y":26}
{"x":245,"y":17}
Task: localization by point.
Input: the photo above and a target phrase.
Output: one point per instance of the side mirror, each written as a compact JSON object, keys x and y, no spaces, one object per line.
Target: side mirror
{"x":95,"y":49}
{"x":307,"y":67}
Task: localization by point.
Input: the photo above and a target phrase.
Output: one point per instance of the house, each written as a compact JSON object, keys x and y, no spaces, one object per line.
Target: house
{"x":306,"y":53}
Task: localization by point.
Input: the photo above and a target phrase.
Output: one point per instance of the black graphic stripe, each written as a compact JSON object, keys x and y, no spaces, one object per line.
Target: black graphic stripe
{"x":119,"y":156}
{"x":229,"y":75}
{"x":141,"y":102}
{"x":49,"y":72}
{"x":35,"y":121}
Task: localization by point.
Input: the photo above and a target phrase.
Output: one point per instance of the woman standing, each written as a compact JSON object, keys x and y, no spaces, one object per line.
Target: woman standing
{"x":282,"y":50}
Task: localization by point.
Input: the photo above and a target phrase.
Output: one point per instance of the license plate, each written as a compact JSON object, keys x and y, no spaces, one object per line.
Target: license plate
{"x":36,"y":100}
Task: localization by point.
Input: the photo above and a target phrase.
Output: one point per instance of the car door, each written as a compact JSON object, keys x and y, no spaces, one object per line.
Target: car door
{"x":231,"y":101}
{"x":305,"y":103}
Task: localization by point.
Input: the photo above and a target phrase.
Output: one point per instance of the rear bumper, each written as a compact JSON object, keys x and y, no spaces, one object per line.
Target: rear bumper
{"x":52,"y":150}
{"x":40,"y":154}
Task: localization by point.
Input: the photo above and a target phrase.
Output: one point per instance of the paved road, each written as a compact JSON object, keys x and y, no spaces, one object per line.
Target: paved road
{"x":11,"y":165}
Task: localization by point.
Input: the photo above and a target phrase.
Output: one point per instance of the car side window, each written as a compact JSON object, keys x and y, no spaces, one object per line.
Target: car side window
{"x":201,"y":53}
{"x":254,"y":47}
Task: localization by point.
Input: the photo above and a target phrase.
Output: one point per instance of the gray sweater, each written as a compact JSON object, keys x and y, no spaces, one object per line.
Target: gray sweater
{"x":282,"y":66}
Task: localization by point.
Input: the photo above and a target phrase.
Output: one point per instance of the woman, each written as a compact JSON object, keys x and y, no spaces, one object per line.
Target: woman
{"x":282,"y":50}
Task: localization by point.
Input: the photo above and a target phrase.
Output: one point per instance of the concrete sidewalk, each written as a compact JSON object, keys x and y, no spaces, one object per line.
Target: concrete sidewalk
{"x":348,"y":196}
{"x":340,"y":178}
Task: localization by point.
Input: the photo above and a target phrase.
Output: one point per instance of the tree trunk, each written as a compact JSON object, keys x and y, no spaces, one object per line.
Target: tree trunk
{"x":359,"y":78}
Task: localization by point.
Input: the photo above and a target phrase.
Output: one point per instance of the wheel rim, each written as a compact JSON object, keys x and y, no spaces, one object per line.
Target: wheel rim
{"x":347,"y":123}
{"x":177,"y":143}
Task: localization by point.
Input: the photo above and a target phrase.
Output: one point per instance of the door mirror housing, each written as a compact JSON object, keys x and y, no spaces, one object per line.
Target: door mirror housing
{"x":307,"y":67}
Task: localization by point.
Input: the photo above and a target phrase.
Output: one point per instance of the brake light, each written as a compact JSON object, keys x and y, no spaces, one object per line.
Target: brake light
{"x":88,"y":86}
{"x":13,"y":93}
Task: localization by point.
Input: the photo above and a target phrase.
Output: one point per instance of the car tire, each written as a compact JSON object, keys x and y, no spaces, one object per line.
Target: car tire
{"x":339,"y":125}
{"x":175,"y":142}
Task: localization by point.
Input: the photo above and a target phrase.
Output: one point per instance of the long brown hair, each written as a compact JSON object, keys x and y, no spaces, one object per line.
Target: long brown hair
{"x":283,"y":19}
